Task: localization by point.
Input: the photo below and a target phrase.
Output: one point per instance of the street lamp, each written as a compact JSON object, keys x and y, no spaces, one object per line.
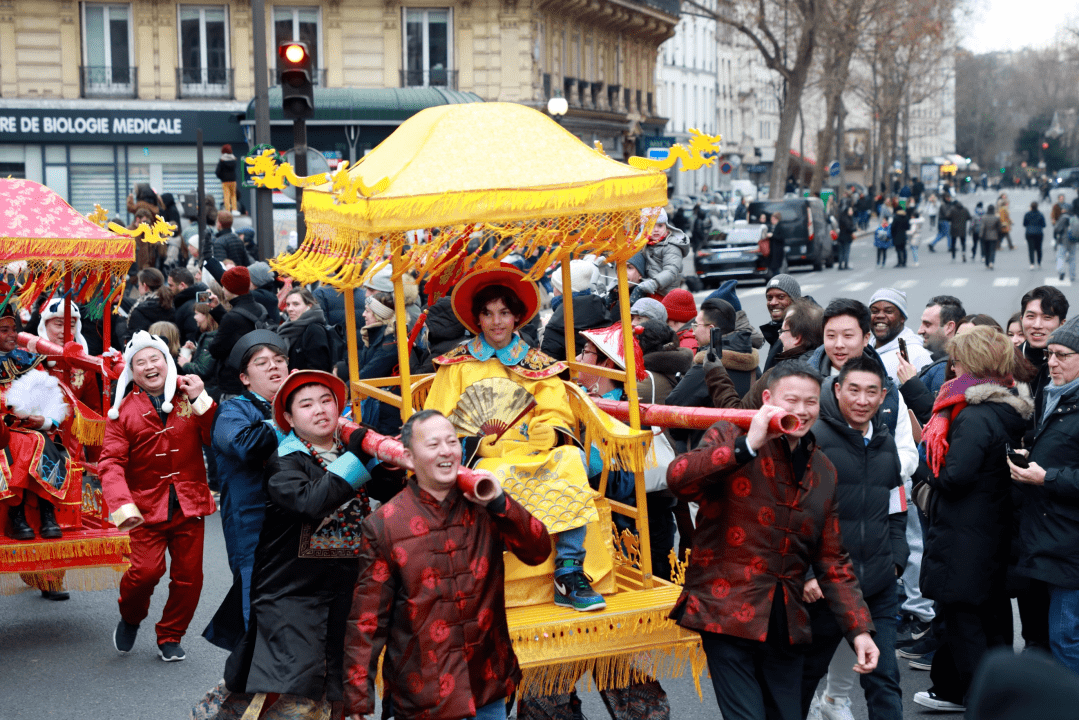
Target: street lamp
{"x":557,"y":107}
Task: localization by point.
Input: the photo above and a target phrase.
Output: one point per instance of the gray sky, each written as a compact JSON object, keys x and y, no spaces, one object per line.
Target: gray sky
{"x":1014,"y":24}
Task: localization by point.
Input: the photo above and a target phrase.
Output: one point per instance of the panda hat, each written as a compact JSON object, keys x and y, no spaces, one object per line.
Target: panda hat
{"x":140,"y":341}
{"x":55,"y":308}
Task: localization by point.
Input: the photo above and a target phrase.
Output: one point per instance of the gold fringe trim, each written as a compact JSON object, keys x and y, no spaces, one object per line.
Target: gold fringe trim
{"x":87,"y":430}
{"x":24,"y":552}
{"x":620,"y":447}
{"x":69,"y":250}
{"x":617,"y":670}
{"x":80,"y":579}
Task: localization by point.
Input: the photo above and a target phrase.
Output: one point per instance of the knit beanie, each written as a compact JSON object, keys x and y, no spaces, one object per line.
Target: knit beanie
{"x":680,"y":305}
{"x":140,"y":341}
{"x":260,"y":273}
{"x":649,"y":308}
{"x":727,"y":291}
{"x":382,"y":281}
{"x":55,"y":308}
{"x":237,"y":280}
{"x":582,"y":273}
{"x":895,"y":297}
{"x":639,"y":261}
{"x":785,"y":283}
{"x":1067,"y":335}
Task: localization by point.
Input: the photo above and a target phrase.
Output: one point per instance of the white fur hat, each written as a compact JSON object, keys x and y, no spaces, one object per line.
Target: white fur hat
{"x":55,"y":308}
{"x":140,"y":341}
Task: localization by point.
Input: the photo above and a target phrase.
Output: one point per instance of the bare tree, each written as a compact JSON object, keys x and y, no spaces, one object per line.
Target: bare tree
{"x":773,"y":27}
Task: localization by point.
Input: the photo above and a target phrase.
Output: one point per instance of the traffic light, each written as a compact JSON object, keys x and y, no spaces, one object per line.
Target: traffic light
{"x":1045,"y":146}
{"x":297,"y":90}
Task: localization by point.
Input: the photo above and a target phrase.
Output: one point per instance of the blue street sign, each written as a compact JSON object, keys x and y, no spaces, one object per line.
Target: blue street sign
{"x":726,"y":168}
{"x":834,"y":168}
{"x":658,"y":153}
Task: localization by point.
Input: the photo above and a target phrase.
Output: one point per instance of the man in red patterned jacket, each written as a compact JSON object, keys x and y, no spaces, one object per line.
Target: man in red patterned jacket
{"x":767,"y":516}
{"x":444,"y":660}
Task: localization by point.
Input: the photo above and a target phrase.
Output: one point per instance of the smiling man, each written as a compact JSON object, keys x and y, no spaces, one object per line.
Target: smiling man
{"x":864,"y":454}
{"x":781,"y":291}
{"x":444,"y":660}
{"x":151,"y":469}
{"x":888,"y":312}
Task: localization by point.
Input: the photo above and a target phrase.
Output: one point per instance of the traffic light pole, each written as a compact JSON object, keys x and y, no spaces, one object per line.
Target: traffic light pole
{"x":263,"y":196}
{"x":299,"y":144}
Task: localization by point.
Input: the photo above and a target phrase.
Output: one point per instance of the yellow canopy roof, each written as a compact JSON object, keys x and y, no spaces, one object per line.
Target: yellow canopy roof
{"x":482,"y":162}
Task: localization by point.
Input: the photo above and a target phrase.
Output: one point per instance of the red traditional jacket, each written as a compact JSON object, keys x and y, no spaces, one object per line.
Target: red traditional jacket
{"x":141,"y":458}
{"x":758,"y":530}
{"x":431,"y":591}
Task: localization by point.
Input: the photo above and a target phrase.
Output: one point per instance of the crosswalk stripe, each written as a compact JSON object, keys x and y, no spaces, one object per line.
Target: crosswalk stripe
{"x":751,"y":291}
{"x":855,"y":286}
{"x":1055,"y":281}
{"x":810,"y":287}
{"x":1005,"y":282}
{"x":905,"y":284}
{"x":954,"y":282}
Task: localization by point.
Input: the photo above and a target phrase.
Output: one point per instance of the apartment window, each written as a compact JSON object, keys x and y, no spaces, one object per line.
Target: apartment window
{"x":303,"y":25}
{"x":108,"y":61}
{"x":204,"y":66}
{"x":428,"y":48}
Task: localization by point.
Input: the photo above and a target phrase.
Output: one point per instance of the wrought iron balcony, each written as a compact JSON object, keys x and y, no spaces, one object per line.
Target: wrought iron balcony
{"x":109,"y":82}
{"x":429,"y":78}
{"x":200,"y":82}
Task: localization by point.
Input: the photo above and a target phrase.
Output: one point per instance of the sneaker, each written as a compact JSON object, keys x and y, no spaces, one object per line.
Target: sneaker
{"x":932,"y":701}
{"x":123,"y":637}
{"x":1032,"y":267}
{"x":914,"y":649}
{"x":171,"y":652}
{"x":1062,"y":276}
{"x":919,"y":628}
{"x":835,"y":709}
{"x":573,"y":590}
{"x":925,"y":662}
{"x":814,"y":709}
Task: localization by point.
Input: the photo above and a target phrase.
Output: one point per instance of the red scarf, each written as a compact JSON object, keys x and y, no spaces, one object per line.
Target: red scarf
{"x":950,"y":401}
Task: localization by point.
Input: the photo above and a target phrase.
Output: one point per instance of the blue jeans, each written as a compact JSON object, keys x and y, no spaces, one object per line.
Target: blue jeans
{"x":844,"y":254}
{"x":1066,"y":258}
{"x":492,"y":711}
{"x":568,"y":545}
{"x":944,"y":232}
{"x":1064,"y":626}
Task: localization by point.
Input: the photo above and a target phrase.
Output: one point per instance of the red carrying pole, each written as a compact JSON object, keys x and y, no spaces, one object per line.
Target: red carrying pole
{"x":695,"y":418}
{"x":73,"y":355}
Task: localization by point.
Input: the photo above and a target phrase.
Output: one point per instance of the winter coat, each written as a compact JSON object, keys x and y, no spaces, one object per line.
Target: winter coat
{"x":268,"y":300}
{"x":444,"y":332}
{"x":184,"y":302}
{"x":1005,"y":218}
{"x":900,"y":227}
{"x":444,"y":658}
{"x":867,"y":474}
{"x":882,"y":237}
{"x":226,"y":168}
{"x":847,"y":227}
{"x":1034,"y":223}
{"x":970,"y":529}
{"x":296,"y":632}
{"x":141,"y":458}
{"x":991,"y":229}
{"x":228,"y":244}
{"x":589,"y":312}
{"x":1049,"y":517}
{"x":889,"y":353}
{"x":378,"y":359}
{"x":203,"y":363}
{"x":147,"y":311}
{"x":959,"y":216}
{"x":663,"y":262}
{"x":724,"y":391}
{"x":332,"y":301}
{"x":758,"y":529}
{"x":231,"y":327}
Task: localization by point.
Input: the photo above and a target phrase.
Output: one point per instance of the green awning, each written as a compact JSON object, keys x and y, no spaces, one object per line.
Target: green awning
{"x":348,"y":106}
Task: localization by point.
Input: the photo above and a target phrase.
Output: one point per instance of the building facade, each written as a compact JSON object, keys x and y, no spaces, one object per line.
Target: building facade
{"x":96,"y":97}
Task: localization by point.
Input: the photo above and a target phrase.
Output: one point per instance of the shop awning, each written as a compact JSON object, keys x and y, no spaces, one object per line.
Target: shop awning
{"x":356,"y":106}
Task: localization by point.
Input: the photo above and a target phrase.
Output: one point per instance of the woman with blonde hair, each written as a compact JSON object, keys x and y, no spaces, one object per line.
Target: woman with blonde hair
{"x":170,"y":334}
{"x":977,"y":416}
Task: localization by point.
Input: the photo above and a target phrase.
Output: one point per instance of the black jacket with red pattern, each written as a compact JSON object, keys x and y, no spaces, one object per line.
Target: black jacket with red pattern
{"x":757,"y":529}
{"x":431,"y":590}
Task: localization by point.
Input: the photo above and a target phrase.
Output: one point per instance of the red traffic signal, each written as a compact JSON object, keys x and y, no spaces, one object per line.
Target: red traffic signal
{"x":297,"y":88}
{"x":1045,"y":146}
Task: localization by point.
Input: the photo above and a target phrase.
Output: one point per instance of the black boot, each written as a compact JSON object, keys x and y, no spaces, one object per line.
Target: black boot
{"x":54,"y":595}
{"x":49,"y":529}
{"x":18,"y":528}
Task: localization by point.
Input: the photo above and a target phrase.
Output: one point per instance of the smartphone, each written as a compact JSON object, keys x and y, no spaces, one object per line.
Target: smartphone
{"x":1019,"y":460}
{"x":903,"y":350}
{"x":203,"y":296}
{"x":715,"y":341}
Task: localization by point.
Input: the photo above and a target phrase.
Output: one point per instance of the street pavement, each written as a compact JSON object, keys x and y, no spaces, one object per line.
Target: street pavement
{"x":57,"y":659}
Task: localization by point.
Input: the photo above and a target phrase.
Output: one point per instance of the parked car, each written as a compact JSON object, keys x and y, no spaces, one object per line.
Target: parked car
{"x":732,"y":253}
{"x":1068,"y":177}
{"x":805,"y":227}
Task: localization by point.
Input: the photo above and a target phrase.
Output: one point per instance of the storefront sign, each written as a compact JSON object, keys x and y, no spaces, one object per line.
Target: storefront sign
{"x":116,"y":126}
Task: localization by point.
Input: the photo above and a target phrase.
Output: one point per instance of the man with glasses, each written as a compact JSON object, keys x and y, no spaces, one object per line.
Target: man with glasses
{"x":244,"y":438}
{"x":1049,"y":514}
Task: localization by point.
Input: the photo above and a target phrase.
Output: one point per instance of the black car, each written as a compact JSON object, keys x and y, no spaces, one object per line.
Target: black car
{"x":732,"y":253}
{"x":1068,"y":177}
{"x":804,"y":226}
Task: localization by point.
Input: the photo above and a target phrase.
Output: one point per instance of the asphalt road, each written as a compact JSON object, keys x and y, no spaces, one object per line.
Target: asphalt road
{"x":57,"y":659}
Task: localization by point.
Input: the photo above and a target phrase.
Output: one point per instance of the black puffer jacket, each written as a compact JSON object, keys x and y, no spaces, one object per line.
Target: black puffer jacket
{"x":148,"y":311}
{"x":1049,"y":519}
{"x":233,"y":326}
{"x":184,"y":302}
{"x":970,"y":531}
{"x":589,"y":312}
{"x":876,"y":540}
{"x":228,"y":244}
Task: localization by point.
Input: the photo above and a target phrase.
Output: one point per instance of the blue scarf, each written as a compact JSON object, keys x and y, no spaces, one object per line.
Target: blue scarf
{"x":1053,"y":393}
